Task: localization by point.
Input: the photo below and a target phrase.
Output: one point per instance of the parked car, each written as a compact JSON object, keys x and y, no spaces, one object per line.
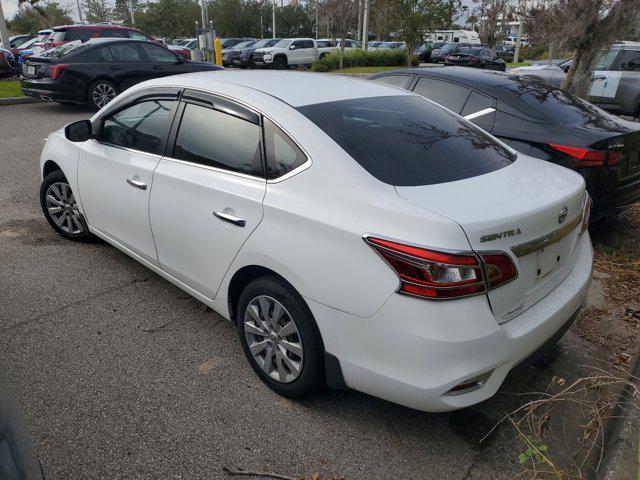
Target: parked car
{"x":512,"y":40}
{"x":616,"y":78}
{"x":482,"y":57}
{"x":328,"y":45}
{"x":286,"y":53}
{"x":392,"y":46}
{"x":190,"y":43}
{"x":373,"y":45}
{"x":33,"y":46}
{"x":439,"y":55}
{"x":543,"y":122}
{"x":423,"y":52}
{"x":84,"y":32}
{"x":243,"y":57}
{"x":17,"y":40}
{"x":8,"y":64}
{"x":180,"y":50}
{"x":505,"y":52}
{"x":227,"y":53}
{"x":337,"y":244}
{"x":95,"y":71}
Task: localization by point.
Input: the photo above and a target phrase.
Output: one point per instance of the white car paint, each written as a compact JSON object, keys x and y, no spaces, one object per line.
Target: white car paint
{"x":287,"y":48}
{"x":308,"y":227}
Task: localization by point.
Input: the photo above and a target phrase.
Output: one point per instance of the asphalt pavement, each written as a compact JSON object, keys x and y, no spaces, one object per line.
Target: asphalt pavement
{"x":123,"y":375}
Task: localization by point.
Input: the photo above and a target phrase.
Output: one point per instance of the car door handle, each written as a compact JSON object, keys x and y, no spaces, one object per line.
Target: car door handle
{"x":137,"y":183}
{"x":158,"y":67}
{"x":240,"y":222}
{"x":113,"y":68}
{"x":600,"y":77}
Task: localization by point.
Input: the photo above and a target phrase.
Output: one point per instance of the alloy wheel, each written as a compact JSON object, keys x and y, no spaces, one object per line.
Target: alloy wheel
{"x":103,"y":93}
{"x":63,"y":209}
{"x":273,"y":339}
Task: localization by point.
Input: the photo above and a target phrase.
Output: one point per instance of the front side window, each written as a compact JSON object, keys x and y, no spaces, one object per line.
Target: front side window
{"x":605,"y":60}
{"x":137,"y":35}
{"x":142,"y":126}
{"x":283,"y":155}
{"x":406,"y":141}
{"x":446,"y":94}
{"x":401,"y":81}
{"x":158,"y":54}
{"x":122,"y":52}
{"x":216,"y":139}
{"x":630,"y":61}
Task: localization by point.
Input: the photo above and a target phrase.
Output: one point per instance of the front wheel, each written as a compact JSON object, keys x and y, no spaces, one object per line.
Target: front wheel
{"x":100,"y":93}
{"x":280,"y":338}
{"x":279,"y":63}
{"x":60,"y":208}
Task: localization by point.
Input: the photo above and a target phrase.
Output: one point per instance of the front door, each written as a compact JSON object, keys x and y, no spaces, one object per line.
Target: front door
{"x":605,"y":80}
{"x":116,"y":171}
{"x":124,"y":64}
{"x":207,"y":194}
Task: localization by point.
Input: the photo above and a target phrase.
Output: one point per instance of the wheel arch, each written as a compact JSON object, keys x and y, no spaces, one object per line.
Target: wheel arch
{"x":50,"y":166}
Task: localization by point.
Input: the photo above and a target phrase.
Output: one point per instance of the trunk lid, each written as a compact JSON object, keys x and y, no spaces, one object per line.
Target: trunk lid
{"x":35,"y":67}
{"x":506,"y":211}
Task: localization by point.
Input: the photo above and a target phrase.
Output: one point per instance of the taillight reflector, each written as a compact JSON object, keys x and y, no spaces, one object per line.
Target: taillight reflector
{"x":442,"y":275}
{"x":589,"y":158}
{"x":55,"y":71}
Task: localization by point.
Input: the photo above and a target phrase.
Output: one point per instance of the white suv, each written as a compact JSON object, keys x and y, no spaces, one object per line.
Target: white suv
{"x":327,"y":45}
{"x":287,"y":52}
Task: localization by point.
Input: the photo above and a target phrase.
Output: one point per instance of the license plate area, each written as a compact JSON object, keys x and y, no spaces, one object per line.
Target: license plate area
{"x":549,"y":259}
{"x":31,"y":70}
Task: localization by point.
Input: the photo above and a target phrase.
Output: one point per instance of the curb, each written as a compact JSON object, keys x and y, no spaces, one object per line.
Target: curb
{"x":18,"y":100}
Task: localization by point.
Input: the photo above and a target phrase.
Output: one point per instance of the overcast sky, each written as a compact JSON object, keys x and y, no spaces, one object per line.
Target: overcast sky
{"x":10,"y":7}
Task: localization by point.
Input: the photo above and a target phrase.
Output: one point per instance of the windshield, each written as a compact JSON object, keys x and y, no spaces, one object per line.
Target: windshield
{"x":29,"y":43}
{"x":448,"y":47}
{"x":245,"y":44}
{"x":263,"y":43}
{"x":284,"y":43}
{"x":406,"y":141}
{"x":64,"y":49}
{"x":541,"y":100}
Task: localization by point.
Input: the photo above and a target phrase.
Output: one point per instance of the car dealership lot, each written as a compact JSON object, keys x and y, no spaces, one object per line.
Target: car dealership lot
{"x":123,"y":375}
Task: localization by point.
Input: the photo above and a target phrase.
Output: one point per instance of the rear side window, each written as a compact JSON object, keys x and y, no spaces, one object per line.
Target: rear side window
{"x":630,"y":61}
{"x":401,"y":81}
{"x":137,"y":35}
{"x":121,"y":52}
{"x":142,"y":126}
{"x":114,"y":33}
{"x":216,"y":139}
{"x":482,"y":109}
{"x":72,"y":34}
{"x":446,"y":94}
{"x":406,"y":141}
{"x":283,"y":155}
{"x":158,"y":54}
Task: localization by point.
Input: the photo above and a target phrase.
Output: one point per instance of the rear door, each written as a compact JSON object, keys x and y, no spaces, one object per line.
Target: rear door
{"x":124,"y":64}
{"x":208,"y":190}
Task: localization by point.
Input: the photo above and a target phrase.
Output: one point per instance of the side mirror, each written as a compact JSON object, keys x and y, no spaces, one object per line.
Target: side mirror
{"x":78,"y":131}
{"x":565,"y":68}
{"x":292,"y":47}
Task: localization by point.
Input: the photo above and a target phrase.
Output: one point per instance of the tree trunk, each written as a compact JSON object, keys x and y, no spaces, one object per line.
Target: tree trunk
{"x":410,"y":48}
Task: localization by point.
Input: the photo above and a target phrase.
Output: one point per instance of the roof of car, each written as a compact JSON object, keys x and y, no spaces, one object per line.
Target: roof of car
{"x":462,"y":74}
{"x":294,"y":88}
{"x":93,"y":26}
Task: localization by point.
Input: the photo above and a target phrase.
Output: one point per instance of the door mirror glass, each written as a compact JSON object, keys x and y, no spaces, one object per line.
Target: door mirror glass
{"x":292,"y":47}
{"x":78,"y":131}
{"x":565,"y":68}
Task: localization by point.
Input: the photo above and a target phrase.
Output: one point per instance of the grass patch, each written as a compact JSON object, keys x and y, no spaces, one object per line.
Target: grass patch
{"x":364,"y":69}
{"x":519,"y":64}
{"x":10,"y":89}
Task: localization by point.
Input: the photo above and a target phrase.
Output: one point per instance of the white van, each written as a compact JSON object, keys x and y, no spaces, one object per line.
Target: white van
{"x":449,"y":36}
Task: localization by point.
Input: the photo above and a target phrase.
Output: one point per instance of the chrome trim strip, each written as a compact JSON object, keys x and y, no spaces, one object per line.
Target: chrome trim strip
{"x":480,"y":113}
{"x":215,"y":169}
{"x":539,"y":243}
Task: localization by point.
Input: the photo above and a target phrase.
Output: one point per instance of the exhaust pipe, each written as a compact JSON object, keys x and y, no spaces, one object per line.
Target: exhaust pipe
{"x":45,"y":98}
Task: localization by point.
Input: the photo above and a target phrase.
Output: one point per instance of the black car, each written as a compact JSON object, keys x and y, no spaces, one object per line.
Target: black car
{"x":505,"y":52}
{"x":8,"y":64}
{"x":439,"y":55}
{"x":243,"y":57}
{"x":477,"y":58}
{"x":542,"y":121}
{"x":94,"y":72}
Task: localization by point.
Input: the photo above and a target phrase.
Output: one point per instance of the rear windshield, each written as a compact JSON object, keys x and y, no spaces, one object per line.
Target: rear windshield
{"x":406,"y":140}
{"x":64,"y":49}
{"x":544,"y":101}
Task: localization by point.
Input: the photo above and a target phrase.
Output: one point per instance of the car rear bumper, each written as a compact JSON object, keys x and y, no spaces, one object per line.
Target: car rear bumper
{"x":414,"y":351}
{"x":609,"y":199}
{"x":48,"y":89}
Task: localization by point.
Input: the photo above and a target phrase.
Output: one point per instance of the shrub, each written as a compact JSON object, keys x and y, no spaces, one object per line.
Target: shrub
{"x":358,"y":58}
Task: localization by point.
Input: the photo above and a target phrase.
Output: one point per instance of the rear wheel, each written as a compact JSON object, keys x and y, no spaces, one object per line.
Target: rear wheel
{"x":280,"y":338}
{"x":60,"y":208}
{"x":280,"y":63}
{"x":100,"y":93}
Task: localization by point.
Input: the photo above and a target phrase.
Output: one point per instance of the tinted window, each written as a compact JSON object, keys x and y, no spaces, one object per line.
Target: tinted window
{"x":630,"y":60}
{"x":283,"y":155}
{"x":77,"y":34}
{"x":137,"y":35}
{"x":605,"y":60}
{"x":543,"y":101}
{"x":303,"y":43}
{"x":122,"y":52}
{"x":402,"y":140}
{"x":217,"y":139}
{"x":401,"y":81}
{"x":446,"y":94}
{"x":142,"y":126}
{"x":114,"y":33}
{"x":476,"y":104}
{"x":158,"y":54}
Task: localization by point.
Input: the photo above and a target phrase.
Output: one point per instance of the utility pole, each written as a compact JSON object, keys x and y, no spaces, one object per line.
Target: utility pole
{"x":4,"y":33}
{"x":274,"y":18}
{"x":203,"y":13}
{"x":359,"y":35}
{"x":133,"y":19}
{"x":316,"y":21}
{"x":365,"y":25}
{"x":79,"y":10}
{"x":516,"y":54}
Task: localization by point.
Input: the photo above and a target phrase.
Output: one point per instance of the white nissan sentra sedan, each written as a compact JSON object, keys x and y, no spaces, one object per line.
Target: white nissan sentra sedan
{"x":358,"y":235}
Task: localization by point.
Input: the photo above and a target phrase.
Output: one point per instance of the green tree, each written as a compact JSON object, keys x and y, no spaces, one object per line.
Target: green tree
{"x":169,"y":18}
{"x":235,"y":18}
{"x":416,"y":17}
{"x":29,"y":19}
{"x":122,"y":11}
{"x":96,"y":11}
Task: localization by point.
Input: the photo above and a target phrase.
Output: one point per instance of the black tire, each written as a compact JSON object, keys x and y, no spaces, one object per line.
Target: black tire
{"x":503,"y":68}
{"x":311,"y":376}
{"x":280,"y":63}
{"x":97,"y":86}
{"x":78,"y":232}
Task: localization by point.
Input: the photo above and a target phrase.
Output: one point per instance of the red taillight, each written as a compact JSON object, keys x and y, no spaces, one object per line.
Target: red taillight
{"x":499,"y":269}
{"x":587,"y":157}
{"x":55,"y":71}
